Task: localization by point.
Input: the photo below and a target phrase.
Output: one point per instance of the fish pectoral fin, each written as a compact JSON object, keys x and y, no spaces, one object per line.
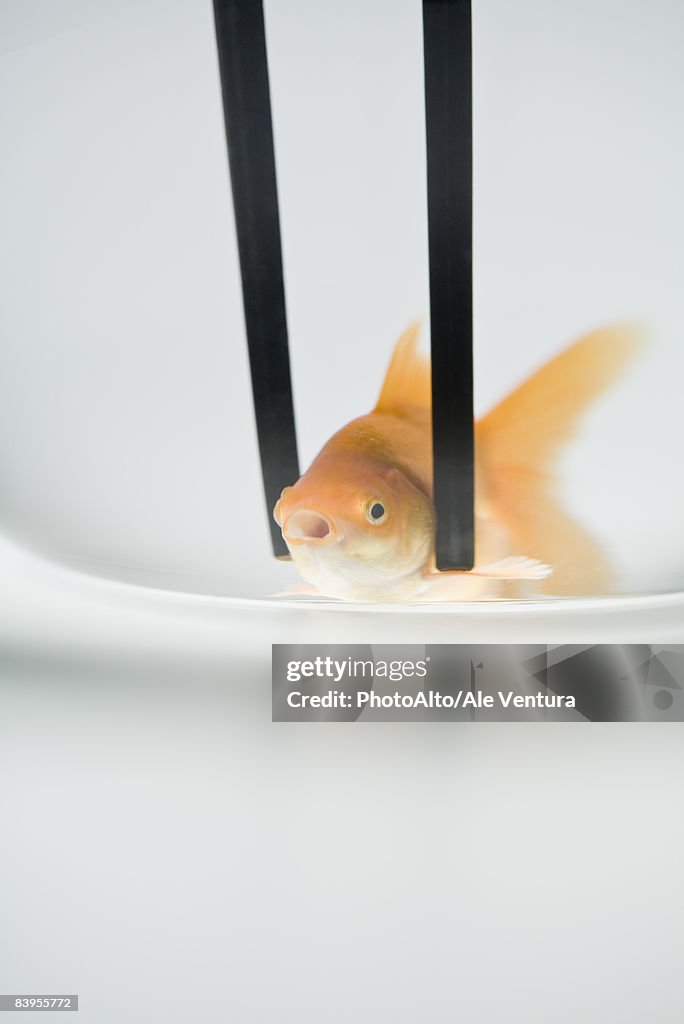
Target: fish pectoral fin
{"x":452,"y":585}
{"x":514,"y":568}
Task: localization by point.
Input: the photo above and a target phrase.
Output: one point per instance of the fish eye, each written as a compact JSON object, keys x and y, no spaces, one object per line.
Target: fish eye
{"x":375,"y":512}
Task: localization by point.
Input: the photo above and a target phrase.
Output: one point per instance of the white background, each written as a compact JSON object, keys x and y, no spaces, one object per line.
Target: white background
{"x":165,"y":851}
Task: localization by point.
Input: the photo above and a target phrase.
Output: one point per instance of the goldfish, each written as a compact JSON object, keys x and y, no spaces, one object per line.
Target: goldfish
{"x":360,"y":522}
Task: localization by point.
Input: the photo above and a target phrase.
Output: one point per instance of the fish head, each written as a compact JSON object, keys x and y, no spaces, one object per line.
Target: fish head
{"x":359,"y":527}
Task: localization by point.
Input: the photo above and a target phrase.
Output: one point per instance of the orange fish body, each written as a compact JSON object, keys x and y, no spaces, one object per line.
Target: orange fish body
{"x":359,"y":523}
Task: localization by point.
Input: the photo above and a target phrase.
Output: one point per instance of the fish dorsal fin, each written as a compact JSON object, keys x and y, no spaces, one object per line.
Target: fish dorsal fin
{"x":407,"y":381}
{"x":519,"y":440}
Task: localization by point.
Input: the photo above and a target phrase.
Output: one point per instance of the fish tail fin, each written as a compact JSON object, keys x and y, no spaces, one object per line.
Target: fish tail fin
{"x":407,"y":381}
{"x":519,"y":440}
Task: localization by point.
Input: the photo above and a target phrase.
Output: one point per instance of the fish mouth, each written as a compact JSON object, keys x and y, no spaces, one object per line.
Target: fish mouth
{"x":308,"y":527}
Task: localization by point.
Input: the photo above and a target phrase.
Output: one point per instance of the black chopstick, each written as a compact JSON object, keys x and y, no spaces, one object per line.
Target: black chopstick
{"x":247,"y":112}
{"x":448,"y":111}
